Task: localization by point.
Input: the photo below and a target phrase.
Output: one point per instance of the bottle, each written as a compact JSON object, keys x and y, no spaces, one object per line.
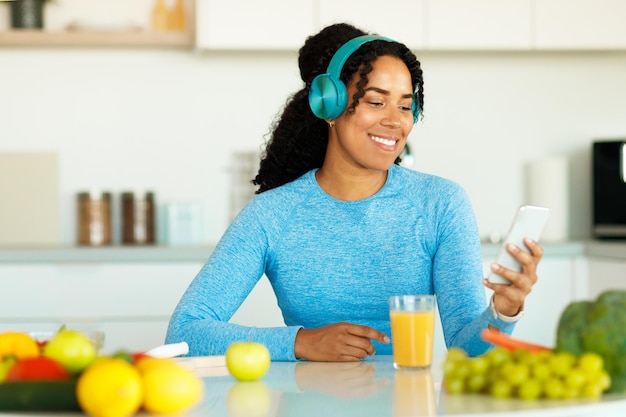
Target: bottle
{"x":160,"y":16}
{"x":94,"y":218}
{"x":177,"y":21}
{"x":138,"y":218}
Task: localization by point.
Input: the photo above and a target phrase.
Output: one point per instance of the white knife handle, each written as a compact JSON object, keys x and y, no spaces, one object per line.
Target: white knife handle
{"x":170,"y":350}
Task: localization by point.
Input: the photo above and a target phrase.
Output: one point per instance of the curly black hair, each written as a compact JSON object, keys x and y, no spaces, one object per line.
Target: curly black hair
{"x":297,"y":138}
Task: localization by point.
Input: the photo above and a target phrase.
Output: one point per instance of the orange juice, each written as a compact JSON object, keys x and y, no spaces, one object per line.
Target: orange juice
{"x":412,"y":333}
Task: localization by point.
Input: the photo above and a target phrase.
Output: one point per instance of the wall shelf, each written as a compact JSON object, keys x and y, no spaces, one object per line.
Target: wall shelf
{"x":38,"y":38}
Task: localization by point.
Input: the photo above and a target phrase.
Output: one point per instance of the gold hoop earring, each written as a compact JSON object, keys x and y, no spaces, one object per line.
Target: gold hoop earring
{"x":331,"y":124}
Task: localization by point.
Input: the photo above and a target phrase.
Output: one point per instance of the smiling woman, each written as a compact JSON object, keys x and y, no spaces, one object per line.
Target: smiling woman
{"x":338,"y":226}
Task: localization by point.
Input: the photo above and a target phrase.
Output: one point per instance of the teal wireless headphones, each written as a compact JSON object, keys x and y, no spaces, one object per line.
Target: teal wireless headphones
{"x":328,"y":96}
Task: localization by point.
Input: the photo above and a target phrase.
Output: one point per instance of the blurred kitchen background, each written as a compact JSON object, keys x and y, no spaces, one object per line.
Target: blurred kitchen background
{"x":130,"y":113}
{"x":170,"y":102}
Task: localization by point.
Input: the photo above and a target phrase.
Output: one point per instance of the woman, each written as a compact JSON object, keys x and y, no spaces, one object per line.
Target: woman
{"x":338,"y":226}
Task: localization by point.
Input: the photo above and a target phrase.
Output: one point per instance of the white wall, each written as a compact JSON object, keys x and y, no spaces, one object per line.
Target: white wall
{"x":170,"y":120}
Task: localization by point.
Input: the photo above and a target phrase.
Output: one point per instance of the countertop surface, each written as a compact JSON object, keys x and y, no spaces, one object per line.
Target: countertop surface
{"x":369,"y":388}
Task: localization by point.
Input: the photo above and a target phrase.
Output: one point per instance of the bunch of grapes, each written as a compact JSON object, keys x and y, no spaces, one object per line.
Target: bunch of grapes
{"x":522,"y":374}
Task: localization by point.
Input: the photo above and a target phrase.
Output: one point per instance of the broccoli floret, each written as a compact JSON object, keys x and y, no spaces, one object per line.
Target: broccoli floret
{"x":573,"y":320}
{"x":598,"y":326}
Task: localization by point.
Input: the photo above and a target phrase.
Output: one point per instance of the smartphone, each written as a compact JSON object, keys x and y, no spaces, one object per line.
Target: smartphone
{"x":529,"y":222}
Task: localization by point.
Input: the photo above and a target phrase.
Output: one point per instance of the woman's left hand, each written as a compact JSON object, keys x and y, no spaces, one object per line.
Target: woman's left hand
{"x":509,"y":298}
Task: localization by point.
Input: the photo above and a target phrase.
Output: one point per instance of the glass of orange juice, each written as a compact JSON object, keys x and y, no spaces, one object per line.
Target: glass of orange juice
{"x":412,"y":330}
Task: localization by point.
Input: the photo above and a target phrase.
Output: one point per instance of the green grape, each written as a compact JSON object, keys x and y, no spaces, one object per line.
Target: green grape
{"x":591,"y":390}
{"x":476,"y":382}
{"x":463,"y":369}
{"x":540,"y":371}
{"x":501,"y":389}
{"x":561,"y":363}
{"x":553,"y":388}
{"x":570,"y":393}
{"x":498,"y":356}
{"x":449,"y":367}
{"x":455,"y":386}
{"x":529,"y":390}
{"x":479,"y":365}
{"x":575,"y":379}
{"x":590,"y":362}
{"x":515,"y":373}
{"x":456,"y":353}
{"x":525,"y":356}
{"x":603,"y":380}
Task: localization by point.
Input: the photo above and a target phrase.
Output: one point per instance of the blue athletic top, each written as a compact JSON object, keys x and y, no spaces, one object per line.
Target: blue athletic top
{"x":332,"y":261}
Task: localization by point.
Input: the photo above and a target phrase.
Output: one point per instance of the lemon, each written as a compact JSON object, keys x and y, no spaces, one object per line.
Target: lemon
{"x":169,"y":388}
{"x":110,"y":387}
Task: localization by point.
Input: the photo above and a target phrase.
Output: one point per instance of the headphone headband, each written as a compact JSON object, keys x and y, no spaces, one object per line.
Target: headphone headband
{"x":328,"y":95}
{"x":346,"y":50}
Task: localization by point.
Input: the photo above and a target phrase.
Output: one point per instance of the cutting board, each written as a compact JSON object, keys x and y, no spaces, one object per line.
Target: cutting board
{"x":29,"y":199}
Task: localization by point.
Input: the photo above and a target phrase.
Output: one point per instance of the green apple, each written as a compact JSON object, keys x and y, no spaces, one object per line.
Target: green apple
{"x":72,"y":349}
{"x":247,"y":361}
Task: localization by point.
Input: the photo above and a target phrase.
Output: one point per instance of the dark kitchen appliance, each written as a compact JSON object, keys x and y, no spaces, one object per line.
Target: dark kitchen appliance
{"x":609,"y":189}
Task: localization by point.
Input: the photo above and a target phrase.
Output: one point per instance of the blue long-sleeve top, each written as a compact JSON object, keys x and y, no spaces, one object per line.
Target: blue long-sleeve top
{"x":332,"y":261}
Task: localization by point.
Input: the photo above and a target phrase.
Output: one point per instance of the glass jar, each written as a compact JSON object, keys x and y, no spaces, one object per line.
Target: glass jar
{"x":138,"y":218}
{"x":94,"y":218}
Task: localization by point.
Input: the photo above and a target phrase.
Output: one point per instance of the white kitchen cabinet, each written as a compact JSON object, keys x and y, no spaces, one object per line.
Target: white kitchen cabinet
{"x":397,"y":19}
{"x":250,"y":24}
{"x":606,"y":274}
{"x":130,"y":302}
{"x":478,"y":24}
{"x":580,"y":24}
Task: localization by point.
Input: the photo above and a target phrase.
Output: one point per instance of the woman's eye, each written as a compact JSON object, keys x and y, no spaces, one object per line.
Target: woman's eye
{"x":405,"y":108}
{"x":376,"y":103}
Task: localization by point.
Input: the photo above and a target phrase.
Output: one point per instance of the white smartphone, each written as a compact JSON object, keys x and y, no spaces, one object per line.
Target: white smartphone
{"x":529,"y":222}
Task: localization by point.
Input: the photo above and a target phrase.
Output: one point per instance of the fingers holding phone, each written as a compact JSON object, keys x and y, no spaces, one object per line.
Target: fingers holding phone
{"x":515,"y":253}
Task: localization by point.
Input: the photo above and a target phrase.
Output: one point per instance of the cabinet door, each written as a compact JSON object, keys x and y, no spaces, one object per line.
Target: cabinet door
{"x":606,"y":274}
{"x":580,"y":24}
{"x":251,"y":24}
{"x":478,"y":24}
{"x":75,"y":291}
{"x":402,"y":20}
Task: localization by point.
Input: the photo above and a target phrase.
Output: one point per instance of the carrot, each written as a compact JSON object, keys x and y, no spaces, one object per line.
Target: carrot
{"x":504,"y":340}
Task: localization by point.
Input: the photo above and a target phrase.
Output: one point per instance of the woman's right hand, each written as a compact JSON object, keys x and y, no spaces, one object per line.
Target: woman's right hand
{"x":338,"y":342}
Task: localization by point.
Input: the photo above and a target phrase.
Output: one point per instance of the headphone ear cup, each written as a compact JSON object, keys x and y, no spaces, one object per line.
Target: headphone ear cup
{"x":328,"y":97}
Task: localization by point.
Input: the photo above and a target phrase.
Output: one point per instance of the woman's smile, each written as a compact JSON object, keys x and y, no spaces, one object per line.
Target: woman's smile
{"x":383,"y":143}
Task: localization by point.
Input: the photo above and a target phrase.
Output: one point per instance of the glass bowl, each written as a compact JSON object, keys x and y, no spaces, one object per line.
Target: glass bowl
{"x":43,"y":336}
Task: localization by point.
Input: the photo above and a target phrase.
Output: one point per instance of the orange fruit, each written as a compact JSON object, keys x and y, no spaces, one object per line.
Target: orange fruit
{"x":18,"y":344}
{"x":110,"y":387}
{"x":169,"y":388}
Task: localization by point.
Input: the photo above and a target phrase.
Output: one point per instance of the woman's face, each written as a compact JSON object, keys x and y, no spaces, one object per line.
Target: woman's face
{"x":374,"y":135}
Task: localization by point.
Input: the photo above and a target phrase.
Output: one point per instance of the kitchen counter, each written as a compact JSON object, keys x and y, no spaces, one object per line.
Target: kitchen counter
{"x":369,"y":388}
{"x":361,"y":389}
